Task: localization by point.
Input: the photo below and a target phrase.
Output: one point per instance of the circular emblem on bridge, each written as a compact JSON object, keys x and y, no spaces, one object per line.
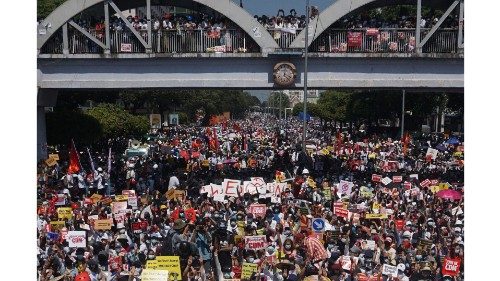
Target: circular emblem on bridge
{"x":284,"y":73}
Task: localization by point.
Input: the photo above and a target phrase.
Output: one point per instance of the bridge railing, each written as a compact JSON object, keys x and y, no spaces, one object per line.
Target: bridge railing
{"x":163,"y":41}
{"x":284,"y":36}
{"x":386,"y":40}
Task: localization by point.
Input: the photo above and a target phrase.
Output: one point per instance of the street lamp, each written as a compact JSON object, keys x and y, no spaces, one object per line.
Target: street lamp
{"x":305,"y":77}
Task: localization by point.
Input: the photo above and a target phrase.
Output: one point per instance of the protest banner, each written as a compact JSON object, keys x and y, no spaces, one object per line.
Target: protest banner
{"x":106,"y":201}
{"x":103,"y":224}
{"x":170,"y":263}
{"x":57,"y":225}
{"x":64,"y":213}
{"x":260,"y":184}
{"x":137,"y":227}
{"x":370,"y":244}
{"x":345,"y":187}
{"x":451,"y":267}
{"x":95,"y":198}
{"x":125,"y":47}
{"x":425,"y":183}
{"x":118,"y":206}
{"x":248,"y":269}
{"x":407,"y":185}
{"x":132,"y":202}
{"x":432,"y":152}
{"x":376,"y":178}
{"x":76,"y":239}
{"x":397,"y":179}
{"x":390,"y":270}
{"x":205,"y":189}
{"x":230,"y":187}
{"x":154,"y":275}
{"x":119,"y":198}
{"x":50,"y":162}
{"x":375,"y":216}
{"x":341,"y":212}
{"x":386,"y":180}
{"x":151,"y":264}
{"x":354,"y":39}
{"x":61,"y":200}
{"x":255,"y":242}
{"x":346,"y":262}
{"x":129,"y":193}
{"x":257,"y":210}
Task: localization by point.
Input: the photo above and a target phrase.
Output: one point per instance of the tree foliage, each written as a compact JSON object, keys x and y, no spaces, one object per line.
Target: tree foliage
{"x":64,"y":125}
{"x":45,"y":7}
{"x":274,"y":100}
{"x":117,"y":122}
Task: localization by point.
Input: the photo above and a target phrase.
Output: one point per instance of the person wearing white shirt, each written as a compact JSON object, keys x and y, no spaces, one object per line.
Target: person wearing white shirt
{"x":173,"y":182}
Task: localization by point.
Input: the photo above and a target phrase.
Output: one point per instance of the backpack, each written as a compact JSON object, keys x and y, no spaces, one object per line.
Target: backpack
{"x":168,"y":247}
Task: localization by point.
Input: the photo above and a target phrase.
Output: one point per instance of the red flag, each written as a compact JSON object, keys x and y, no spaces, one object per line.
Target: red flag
{"x":74,"y":166}
{"x":406,"y":141}
{"x":216,"y":139}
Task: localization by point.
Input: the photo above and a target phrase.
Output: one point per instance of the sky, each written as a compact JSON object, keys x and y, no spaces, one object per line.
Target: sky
{"x":271,"y":7}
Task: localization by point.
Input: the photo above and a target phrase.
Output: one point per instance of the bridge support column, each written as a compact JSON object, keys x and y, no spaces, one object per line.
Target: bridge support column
{"x":148,"y":19}
{"x":65,"y":39}
{"x":46,"y":98}
{"x":417,"y":26}
{"x":461,"y":27}
{"x":107,"y":50}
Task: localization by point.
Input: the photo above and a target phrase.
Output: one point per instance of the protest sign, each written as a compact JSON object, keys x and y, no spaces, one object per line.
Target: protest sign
{"x":95,"y":198}
{"x":205,"y":189}
{"x":126,"y":47}
{"x":106,"y":201}
{"x":170,"y":263}
{"x":425,"y":183}
{"x":386,"y":180}
{"x":260,"y":184}
{"x":115,"y":263}
{"x":76,"y":239}
{"x":119,"y":206}
{"x":354,"y":39}
{"x":132,"y":202}
{"x":119,"y":198}
{"x":137,"y":227}
{"x":57,"y":225}
{"x":400,"y":224}
{"x":64,"y":213}
{"x":341,"y":212}
{"x":376,"y":206}
{"x":345,"y":187}
{"x":370,"y":244}
{"x":346,"y":262}
{"x":152,"y":264}
{"x":432,"y":152}
{"x":61,"y":200}
{"x":407,"y":185}
{"x":397,"y":179}
{"x":327,"y":193}
{"x":255,"y":242}
{"x":230,"y":187}
{"x":129,"y":193}
{"x":248,"y":269}
{"x":257,"y":210}
{"x":375,"y":216}
{"x":154,"y":275}
{"x":390,"y":270}
{"x":54,"y":156}
{"x":103,"y":224}
{"x":376,"y":178}
{"x":50,"y":162}
{"x":451,"y":267}
{"x":52,"y":236}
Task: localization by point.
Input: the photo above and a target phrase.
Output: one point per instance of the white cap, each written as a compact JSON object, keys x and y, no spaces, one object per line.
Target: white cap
{"x":458,"y":229}
{"x":105,"y":237}
{"x":401,"y":267}
{"x":406,"y":234}
{"x":155,"y":166}
{"x":305,"y":171}
{"x":99,"y":169}
{"x":458,"y":222}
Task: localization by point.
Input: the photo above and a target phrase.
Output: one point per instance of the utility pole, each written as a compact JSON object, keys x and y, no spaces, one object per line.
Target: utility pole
{"x":305,"y":76}
{"x":403,"y":115}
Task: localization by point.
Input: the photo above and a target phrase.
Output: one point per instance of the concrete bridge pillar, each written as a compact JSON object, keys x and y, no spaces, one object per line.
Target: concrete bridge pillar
{"x":45,"y":98}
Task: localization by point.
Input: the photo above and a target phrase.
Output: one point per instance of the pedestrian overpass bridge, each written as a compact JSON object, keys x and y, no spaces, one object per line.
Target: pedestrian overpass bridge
{"x":73,"y":55}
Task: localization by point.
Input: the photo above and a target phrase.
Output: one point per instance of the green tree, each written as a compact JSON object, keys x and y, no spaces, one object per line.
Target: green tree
{"x":45,"y":7}
{"x":118,"y":122}
{"x":64,"y":125}
{"x":274,"y":100}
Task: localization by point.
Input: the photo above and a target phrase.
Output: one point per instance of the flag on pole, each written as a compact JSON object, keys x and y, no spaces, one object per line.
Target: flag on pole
{"x":216,"y":139}
{"x":91,"y":161}
{"x":109,"y":161}
{"x":74,"y":160}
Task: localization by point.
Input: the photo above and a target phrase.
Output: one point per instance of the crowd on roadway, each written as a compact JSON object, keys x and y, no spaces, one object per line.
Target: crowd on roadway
{"x":243,"y":200}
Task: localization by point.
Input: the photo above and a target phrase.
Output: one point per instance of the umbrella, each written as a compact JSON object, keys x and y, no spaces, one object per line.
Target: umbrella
{"x":453,"y":140}
{"x":449,"y":194}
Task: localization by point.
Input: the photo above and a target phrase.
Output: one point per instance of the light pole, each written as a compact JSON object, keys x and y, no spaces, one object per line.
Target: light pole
{"x":305,"y":77}
{"x":403,"y":115}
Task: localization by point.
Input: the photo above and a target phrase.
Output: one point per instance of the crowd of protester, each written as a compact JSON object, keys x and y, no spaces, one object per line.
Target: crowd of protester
{"x":413,"y":229}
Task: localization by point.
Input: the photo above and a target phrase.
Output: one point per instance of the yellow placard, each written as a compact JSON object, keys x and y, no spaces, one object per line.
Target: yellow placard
{"x":54,"y":156}
{"x":170,"y":263}
{"x":103,"y":224}
{"x":154,"y":275}
{"x":248,"y":269}
{"x":57,"y":225}
{"x":64,"y":213}
{"x":375,"y":216}
{"x":50,"y":162}
{"x":376,"y":206}
{"x":170,"y":194}
{"x":151,"y":264}
{"x":434,"y":188}
{"x":95,"y":198}
{"x":444,"y":186}
{"x":119,"y":198}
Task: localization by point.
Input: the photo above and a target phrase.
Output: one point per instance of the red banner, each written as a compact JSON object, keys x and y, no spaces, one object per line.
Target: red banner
{"x":341,"y":212}
{"x":451,"y":267}
{"x":255,"y":242}
{"x":397,"y":179}
{"x":425,"y":183}
{"x":354,"y":39}
{"x":407,"y":185}
{"x":400,"y":224}
{"x":376,"y":178}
